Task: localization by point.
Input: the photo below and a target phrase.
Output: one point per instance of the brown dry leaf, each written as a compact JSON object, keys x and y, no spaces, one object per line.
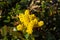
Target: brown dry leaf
{"x":35,"y":6}
{"x":32,"y":3}
{"x":16,"y":23}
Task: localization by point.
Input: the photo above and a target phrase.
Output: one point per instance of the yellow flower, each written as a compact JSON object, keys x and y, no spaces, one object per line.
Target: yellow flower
{"x":26,"y":20}
{"x":31,"y":23}
{"x":30,"y":27}
{"x":41,"y":23}
{"x":19,"y":27}
{"x":32,"y":16}
{"x":35,"y":21}
{"x":29,"y":31}
{"x":21,"y":17}
{"x":27,"y":12}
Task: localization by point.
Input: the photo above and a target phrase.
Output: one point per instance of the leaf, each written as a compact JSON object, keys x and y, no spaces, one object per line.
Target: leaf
{"x":5,"y":38}
{"x":25,"y":1}
{"x":8,"y":17}
{"x":6,"y":21}
{"x":26,"y":36}
{"x":4,"y":30}
{"x":17,"y":11}
{"x":17,"y":6}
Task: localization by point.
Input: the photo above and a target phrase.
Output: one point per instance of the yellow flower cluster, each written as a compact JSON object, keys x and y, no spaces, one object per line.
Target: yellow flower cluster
{"x":29,"y":21}
{"x":20,"y":27}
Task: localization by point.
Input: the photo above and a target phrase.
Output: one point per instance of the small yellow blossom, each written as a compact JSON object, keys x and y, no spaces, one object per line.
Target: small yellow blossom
{"x":26,"y":20}
{"x":32,"y":16}
{"x":27,"y":12}
{"x":41,"y":23}
{"x":21,"y":17}
{"x":19,"y":27}
{"x":29,"y":31}
{"x":31,"y":23}
{"x":30,"y":27}
{"x":35,"y":20}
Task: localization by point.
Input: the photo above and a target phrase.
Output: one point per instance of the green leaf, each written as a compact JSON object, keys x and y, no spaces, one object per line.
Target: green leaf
{"x":4,"y":31}
{"x":8,"y":17}
{"x":5,"y":38}
{"x":6,"y":21}
{"x":17,"y":6}
{"x":17,"y":11}
{"x":26,"y":36}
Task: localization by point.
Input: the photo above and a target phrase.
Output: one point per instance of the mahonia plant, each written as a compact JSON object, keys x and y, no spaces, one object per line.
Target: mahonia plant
{"x":28,"y":21}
